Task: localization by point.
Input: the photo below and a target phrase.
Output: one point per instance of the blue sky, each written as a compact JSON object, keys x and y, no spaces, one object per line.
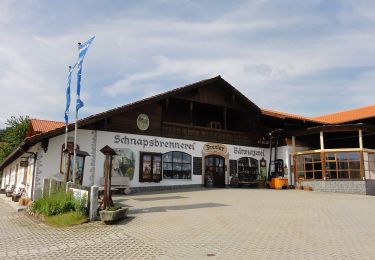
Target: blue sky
{"x":304,"y":57}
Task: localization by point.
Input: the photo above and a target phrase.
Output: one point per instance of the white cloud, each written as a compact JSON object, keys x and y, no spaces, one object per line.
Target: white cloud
{"x":275,"y":52}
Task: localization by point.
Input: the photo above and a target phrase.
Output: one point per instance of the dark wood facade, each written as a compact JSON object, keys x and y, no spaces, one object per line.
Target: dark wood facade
{"x":211,"y":113}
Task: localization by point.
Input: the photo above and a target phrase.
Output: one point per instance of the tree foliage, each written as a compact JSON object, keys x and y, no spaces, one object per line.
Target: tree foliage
{"x":13,"y":135}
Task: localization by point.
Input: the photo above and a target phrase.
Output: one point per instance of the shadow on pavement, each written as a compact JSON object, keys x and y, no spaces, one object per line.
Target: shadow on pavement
{"x":160,"y":198}
{"x":179,"y":207}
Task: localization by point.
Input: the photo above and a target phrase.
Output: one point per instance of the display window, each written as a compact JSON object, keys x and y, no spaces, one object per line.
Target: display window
{"x":338,"y":165}
{"x":248,"y":168}
{"x":177,"y":165}
{"x":150,"y":167}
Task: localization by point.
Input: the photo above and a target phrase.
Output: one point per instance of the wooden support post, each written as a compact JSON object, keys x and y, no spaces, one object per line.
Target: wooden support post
{"x":107,"y":200}
{"x":362,"y":166}
{"x":108,"y":152}
{"x":294,"y":175}
{"x":360,"y":139}
{"x":321,"y":140}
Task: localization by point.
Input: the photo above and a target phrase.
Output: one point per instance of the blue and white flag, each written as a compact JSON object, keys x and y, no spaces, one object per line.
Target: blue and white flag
{"x":82,"y":52}
{"x":68,"y":93}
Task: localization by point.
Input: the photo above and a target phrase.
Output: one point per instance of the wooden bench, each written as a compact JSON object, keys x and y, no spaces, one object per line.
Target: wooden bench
{"x":118,"y":183}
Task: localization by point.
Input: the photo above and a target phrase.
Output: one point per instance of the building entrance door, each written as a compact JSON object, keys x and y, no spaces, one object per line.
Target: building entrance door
{"x":214,"y":171}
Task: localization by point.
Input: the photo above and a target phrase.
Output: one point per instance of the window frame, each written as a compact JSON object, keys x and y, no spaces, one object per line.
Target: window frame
{"x":141,"y":173}
{"x":335,"y":164}
{"x":182,"y":163}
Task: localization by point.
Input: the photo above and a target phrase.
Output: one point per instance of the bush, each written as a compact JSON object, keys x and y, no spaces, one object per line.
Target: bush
{"x":80,"y":205}
{"x":55,"y":204}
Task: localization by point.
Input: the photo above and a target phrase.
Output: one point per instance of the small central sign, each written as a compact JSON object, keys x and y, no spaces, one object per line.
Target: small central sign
{"x":143,"y":122}
{"x":215,"y":148}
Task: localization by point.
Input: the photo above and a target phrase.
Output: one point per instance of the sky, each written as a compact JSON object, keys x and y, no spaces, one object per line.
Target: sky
{"x":305,"y":57}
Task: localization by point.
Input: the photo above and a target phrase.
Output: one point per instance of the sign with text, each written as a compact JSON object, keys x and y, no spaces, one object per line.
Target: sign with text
{"x":215,"y":148}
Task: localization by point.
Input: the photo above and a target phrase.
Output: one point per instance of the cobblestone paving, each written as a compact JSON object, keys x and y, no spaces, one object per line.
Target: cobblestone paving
{"x":207,"y":224}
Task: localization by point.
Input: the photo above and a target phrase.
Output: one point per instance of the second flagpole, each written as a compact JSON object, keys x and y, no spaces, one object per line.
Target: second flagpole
{"x":75,"y":139}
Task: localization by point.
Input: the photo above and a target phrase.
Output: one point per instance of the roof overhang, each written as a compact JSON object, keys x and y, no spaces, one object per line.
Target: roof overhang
{"x":334,"y":128}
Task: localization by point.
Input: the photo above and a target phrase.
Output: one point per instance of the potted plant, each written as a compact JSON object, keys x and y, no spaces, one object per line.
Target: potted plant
{"x":112,"y":214}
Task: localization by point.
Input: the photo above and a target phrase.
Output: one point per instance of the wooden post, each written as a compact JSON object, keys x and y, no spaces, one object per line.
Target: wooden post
{"x":294,"y":169}
{"x":321,"y":140}
{"x":362,"y":167}
{"x":360,"y":139}
{"x":294,"y":175}
{"x":108,"y":152}
{"x":323,"y":162}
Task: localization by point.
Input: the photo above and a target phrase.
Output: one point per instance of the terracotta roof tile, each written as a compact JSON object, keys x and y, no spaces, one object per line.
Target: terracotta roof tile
{"x":348,"y":115}
{"x":38,"y":126}
{"x":283,"y":115}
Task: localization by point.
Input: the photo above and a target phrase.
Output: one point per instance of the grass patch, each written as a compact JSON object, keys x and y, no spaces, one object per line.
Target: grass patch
{"x":66,"y":219}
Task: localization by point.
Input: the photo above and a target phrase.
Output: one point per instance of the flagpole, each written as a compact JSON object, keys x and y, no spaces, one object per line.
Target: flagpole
{"x":75,"y":149}
{"x":66,"y":153}
{"x":66,"y":139}
{"x":75,"y":140}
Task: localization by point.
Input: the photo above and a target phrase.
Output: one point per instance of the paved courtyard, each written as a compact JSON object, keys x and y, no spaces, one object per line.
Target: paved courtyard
{"x":207,"y":224}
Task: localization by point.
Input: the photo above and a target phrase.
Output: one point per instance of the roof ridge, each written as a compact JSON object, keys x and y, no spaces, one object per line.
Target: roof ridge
{"x":296,"y":116}
{"x":47,"y":120}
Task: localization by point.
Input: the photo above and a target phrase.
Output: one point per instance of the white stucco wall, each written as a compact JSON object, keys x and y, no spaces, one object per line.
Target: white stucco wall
{"x":109,"y":138}
{"x":51,"y":160}
{"x":48,"y":163}
{"x":10,"y":172}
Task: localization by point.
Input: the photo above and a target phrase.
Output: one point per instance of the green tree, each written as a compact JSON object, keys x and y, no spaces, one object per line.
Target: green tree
{"x":13,"y":135}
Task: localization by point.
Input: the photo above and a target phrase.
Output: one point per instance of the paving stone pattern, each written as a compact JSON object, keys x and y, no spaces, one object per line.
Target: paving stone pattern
{"x":207,"y":224}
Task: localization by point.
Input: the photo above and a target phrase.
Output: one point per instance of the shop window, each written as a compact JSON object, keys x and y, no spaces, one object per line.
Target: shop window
{"x":343,"y":165}
{"x":339,"y":165}
{"x":248,"y":169}
{"x":309,"y":166}
{"x":177,"y":165}
{"x":150,"y":167}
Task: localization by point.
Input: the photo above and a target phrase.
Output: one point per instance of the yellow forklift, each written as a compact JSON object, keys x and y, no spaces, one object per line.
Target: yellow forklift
{"x":275,"y":177}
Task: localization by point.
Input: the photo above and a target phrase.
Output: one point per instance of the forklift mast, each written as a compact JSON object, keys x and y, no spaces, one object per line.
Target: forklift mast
{"x":276,"y":163}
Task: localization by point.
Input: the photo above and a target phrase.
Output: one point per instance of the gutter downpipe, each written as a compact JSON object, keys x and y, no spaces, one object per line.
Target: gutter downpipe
{"x":34,"y":170}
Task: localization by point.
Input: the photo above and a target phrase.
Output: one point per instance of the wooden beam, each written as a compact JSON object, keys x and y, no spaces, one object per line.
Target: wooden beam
{"x":334,"y":128}
{"x":321,"y":140}
{"x":360,"y":139}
